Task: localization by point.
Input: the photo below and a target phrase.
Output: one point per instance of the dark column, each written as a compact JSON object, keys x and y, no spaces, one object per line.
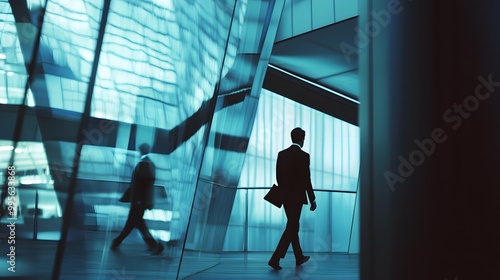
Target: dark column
{"x":430,"y":129}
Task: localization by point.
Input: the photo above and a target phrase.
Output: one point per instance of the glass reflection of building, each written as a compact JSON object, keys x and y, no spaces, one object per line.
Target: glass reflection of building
{"x":84,"y":84}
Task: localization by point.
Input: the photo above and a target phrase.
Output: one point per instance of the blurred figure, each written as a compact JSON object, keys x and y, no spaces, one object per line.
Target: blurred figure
{"x":294,"y":179}
{"x":142,"y":187}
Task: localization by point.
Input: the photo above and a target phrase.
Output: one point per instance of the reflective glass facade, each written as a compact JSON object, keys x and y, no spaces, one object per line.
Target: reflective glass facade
{"x":83,"y":85}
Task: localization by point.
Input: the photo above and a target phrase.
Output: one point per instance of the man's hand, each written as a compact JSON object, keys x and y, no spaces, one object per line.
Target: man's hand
{"x":313,"y":205}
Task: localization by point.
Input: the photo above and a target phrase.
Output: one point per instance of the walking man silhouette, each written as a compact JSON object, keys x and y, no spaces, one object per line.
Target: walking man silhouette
{"x":294,"y":180}
{"x":142,"y":187}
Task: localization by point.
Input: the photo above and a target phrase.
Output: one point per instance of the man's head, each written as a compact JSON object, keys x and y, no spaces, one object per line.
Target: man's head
{"x":298,"y":135}
{"x":144,"y":149}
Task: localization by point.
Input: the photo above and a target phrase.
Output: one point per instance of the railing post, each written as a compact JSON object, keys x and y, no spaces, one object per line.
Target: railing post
{"x":35,"y":218}
{"x":245,"y":244}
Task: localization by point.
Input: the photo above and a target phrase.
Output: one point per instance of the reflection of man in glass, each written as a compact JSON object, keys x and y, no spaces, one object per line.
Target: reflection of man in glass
{"x":294,"y":180}
{"x":142,"y":187}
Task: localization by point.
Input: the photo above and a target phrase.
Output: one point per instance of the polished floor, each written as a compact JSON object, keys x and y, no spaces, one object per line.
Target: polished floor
{"x":254,"y":266}
{"x":92,"y":259}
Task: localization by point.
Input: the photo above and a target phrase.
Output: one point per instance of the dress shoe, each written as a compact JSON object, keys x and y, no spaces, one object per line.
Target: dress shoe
{"x":274,"y":264}
{"x":302,"y":260}
{"x":114,"y":246}
{"x":157,"y":250}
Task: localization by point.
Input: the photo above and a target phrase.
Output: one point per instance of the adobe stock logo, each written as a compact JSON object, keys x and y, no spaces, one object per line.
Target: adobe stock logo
{"x":453,"y":118}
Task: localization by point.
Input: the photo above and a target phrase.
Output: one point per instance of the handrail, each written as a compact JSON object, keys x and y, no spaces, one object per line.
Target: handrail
{"x":112,"y":181}
{"x":268,"y":188}
{"x":316,"y":190}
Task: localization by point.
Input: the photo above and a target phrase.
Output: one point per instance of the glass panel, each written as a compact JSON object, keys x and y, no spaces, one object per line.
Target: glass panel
{"x":322,"y":13}
{"x":38,"y":207}
{"x":207,"y":227}
{"x":60,"y":86}
{"x":354,"y":245}
{"x":302,"y":17}
{"x":250,"y":41}
{"x":236,"y":229}
{"x":13,"y":74}
{"x":67,"y":51}
{"x":30,"y":210}
{"x":265,"y":222}
{"x":334,"y":149}
{"x":332,"y":144}
{"x":23,"y":164}
{"x":345,"y":9}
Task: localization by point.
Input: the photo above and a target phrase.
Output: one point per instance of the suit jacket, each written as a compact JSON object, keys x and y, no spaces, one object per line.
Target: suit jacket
{"x":142,"y":184}
{"x":293,"y":175}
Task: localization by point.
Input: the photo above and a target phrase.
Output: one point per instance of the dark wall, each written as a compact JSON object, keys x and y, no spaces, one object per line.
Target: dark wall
{"x":430,"y":134}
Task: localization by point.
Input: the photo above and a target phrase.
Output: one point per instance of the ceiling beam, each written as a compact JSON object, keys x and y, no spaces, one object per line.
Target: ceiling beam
{"x":311,"y":95}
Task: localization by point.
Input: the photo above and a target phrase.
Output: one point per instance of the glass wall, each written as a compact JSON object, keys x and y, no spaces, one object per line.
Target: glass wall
{"x":333,"y":145}
{"x":236,"y":106}
{"x":103,"y":78}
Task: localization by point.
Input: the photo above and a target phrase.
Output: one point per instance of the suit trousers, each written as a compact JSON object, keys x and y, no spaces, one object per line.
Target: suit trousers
{"x":291,"y":233}
{"x":135,"y":220}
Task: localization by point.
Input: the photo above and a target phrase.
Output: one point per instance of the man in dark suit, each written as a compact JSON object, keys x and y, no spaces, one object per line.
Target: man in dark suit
{"x":294,"y":180}
{"x":142,"y":187}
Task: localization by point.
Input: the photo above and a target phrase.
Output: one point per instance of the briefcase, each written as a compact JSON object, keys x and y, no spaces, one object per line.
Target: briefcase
{"x":274,"y":196}
{"x":126,"y":195}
